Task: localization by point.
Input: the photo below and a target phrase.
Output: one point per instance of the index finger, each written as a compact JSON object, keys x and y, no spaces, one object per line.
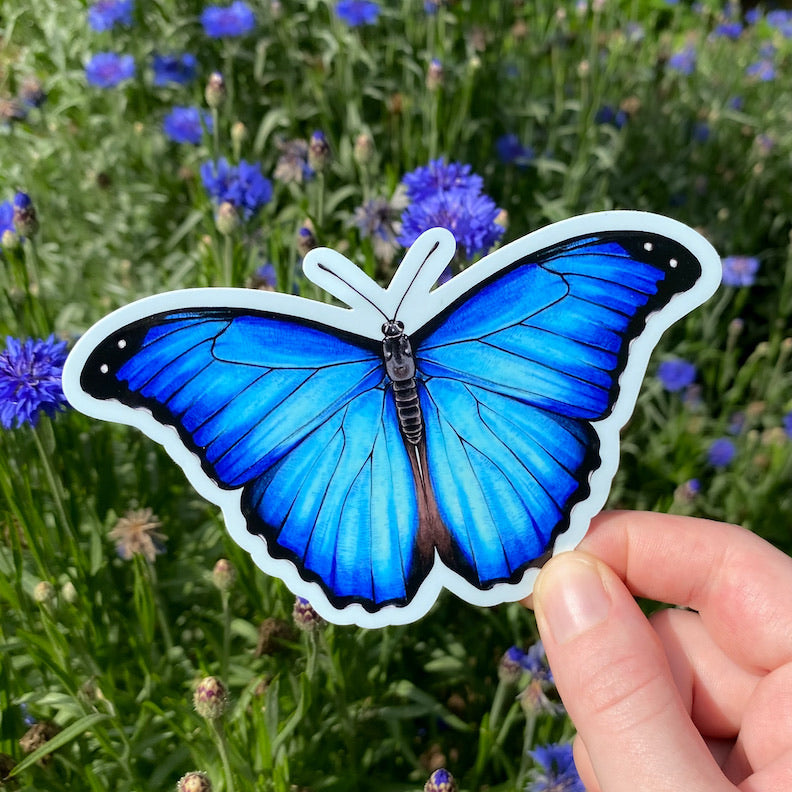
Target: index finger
{"x":740,"y":584}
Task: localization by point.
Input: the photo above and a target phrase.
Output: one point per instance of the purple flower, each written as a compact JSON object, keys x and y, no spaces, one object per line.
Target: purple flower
{"x":242,"y":185}
{"x":534,"y":661}
{"x":106,"y":14}
{"x":107,"y":69}
{"x":357,"y":12}
{"x":429,"y":179}
{"x":186,"y":124}
{"x":30,"y":380}
{"x":179,"y":69}
{"x":467,"y":214}
{"x":721,"y":452}
{"x":788,"y":424}
{"x":762,"y":70}
{"x":235,"y":20}
{"x":676,"y":374}
{"x":511,"y":151}
{"x":740,"y":270}
{"x":684,"y":61}
{"x":731,"y":30}
{"x":607,"y":115}
{"x":555,"y":770}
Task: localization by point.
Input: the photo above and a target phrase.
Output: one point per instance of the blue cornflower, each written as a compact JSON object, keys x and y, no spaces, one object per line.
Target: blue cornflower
{"x":6,"y":217}
{"x":511,"y":151}
{"x":106,"y":14}
{"x":781,"y":20}
{"x":357,"y":12}
{"x":721,"y":452}
{"x":731,"y":30}
{"x":740,"y":270}
{"x":468,"y":214}
{"x":788,"y":424}
{"x":431,"y":6}
{"x":107,"y":69}
{"x":608,"y":116}
{"x":179,"y":69}
{"x":676,"y":374}
{"x":555,"y":770}
{"x":437,"y":175}
{"x":534,"y":661}
{"x":235,"y":20}
{"x":186,"y":124}
{"x":243,"y":185}
{"x":762,"y":70}
{"x":30,"y":380}
{"x":700,"y":132}
{"x":683,"y":61}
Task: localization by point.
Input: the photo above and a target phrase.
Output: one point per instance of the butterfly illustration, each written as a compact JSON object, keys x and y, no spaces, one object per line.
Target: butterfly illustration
{"x":425,"y":436}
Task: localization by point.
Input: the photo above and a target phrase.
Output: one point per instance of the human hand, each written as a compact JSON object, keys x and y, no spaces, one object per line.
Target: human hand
{"x":693,"y":701}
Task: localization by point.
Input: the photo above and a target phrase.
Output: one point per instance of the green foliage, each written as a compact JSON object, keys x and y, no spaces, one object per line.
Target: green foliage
{"x":112,"y":657}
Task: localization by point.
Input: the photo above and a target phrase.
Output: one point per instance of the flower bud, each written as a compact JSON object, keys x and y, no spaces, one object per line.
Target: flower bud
{"x":441,"y":781}
{"x":25,"y":220}
{"x":305,"y":617}
{"x":31,"y":93}
{"x":435,"y":75}
{"x":43,"y":592}
{"x":194,"y":782}
{"x":227,"y":218}
{"x":239,"y":135}
{"x":510,"y":667}
{"x":224,"y":574}
{"x":215,"y":91}
{"x":69,"y":592}
{"x":364,"y":149}
{"x":318,"y":151}
{"x":306,"y":241}
{"x":9,"y":241}
{"x":210,"y":698}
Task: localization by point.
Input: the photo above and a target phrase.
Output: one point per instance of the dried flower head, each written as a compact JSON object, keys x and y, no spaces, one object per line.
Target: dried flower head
{"x":272,"y":634}
{"x":136,"y":534}
{"x":210,"y":698}
{"x":37,"y":735}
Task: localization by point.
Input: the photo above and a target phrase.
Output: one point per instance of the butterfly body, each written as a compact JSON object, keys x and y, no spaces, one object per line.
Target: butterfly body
{"x":400,"y":368}
{"x":422,"y":438}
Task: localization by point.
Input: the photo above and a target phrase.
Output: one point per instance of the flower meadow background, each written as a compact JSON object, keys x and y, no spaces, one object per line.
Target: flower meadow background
{"x":147,"y":146}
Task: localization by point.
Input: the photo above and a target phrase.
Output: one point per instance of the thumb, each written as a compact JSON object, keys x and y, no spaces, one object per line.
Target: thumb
{"x":613,"y":677}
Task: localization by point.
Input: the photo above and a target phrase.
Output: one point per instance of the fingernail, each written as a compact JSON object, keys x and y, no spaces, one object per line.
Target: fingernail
{"x":570,"y":597}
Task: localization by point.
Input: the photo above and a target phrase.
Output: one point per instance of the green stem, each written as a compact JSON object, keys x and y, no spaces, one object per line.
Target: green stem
{"x":222,"y":747}
{"x":228,"y":260}
{"x":226,"y":634}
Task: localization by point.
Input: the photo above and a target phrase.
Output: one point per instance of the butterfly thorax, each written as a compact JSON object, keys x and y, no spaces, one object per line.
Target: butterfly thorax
{"x":400,"y":368}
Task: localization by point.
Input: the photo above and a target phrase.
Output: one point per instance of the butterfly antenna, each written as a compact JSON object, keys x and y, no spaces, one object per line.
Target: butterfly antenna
{"x":417,"y":273}
{"x":349,"y":285}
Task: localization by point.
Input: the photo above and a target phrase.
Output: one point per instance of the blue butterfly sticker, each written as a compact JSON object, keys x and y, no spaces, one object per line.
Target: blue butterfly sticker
{"x":425,"y":437}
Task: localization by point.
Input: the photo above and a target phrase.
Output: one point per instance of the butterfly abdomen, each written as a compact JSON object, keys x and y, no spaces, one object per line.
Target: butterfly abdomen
{"x":400,"y":368}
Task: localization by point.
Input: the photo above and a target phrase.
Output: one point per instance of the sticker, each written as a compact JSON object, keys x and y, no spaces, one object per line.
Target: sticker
{"x":425,"y":437}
